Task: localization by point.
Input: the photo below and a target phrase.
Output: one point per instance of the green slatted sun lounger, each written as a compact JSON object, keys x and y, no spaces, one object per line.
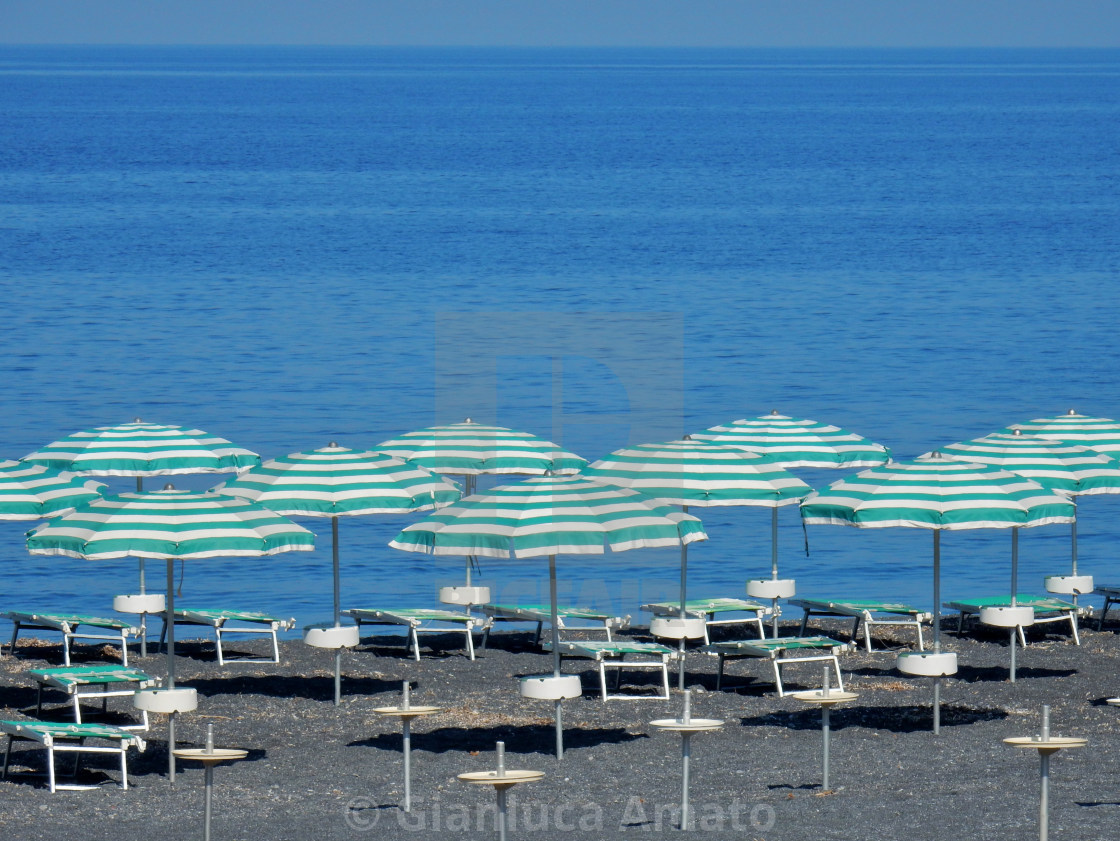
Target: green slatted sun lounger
{"x":70,"y":738}
{"x":867,"y":613}
{"x":1111,"y":593}
{"x":420,"y":621}
{"x":781,"y":651}
{"x":590,"y":620}
{"x":97,"y":682}
{"x":1046,"y":610}
{"x":710,"y":609}
{"x":612,"y":655}
{"x":72,"y":626}
{"x":219,"y":621}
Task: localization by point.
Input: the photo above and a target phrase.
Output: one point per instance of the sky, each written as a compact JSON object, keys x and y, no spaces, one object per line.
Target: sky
{"x":684,"y":23}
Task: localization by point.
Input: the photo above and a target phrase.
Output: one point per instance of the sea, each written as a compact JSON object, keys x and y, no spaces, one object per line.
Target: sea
{"x":291,"y":246}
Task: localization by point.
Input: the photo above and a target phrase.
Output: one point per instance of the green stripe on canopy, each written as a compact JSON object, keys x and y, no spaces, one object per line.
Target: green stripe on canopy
{"x":337,"y":481}
{"x":35,"y":492}
{"x":550,"y":515}
{"x":1100,"y":434}
{"x":1069,"y":468}
{"x":699,"y":473}
{"x":796,"y":442}
{"x":169,"y":524}
{"x":936,"y":493}
{"x":143,"y":449}
{"x":470,"y":448}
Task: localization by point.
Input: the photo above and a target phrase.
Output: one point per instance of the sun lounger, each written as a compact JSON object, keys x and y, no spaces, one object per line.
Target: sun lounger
{"x":612,"y":655}
{"x":420,"y":621}
{"x":70,"y":738}
{"x":97,"y":682}
{"x":73,"y":626}
{"x":713,"y":611}
{"x":781,"y":651}
{"x":1111,"y":593}
{"x":590,"y":620}
{"x":1046,"y":610}
{"x":867,"y":613}
{"x":219,"y":621}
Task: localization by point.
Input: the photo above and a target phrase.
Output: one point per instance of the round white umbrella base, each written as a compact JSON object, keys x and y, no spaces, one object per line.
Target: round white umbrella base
{"x":506,"y":779}
{"x":331,"y":636}
{"x":1007,"y":616}
{"x":817,"y":696}
{"x":675,"y":627}
{"x":771,"y":588}
{"x":551,"y":687}
{"x":211,"y":757}
{"x":1069,"y":585}
{"x":182,"y":699}
{"x":464,"y":595}
{"x":693,"y":725}
{"x":1054,"y":743}
{"x":140,"y":603}
{"x":931,"y":664}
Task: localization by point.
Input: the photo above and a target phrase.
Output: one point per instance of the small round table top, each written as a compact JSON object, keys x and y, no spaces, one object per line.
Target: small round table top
{"x":491,"y":778}
{"x":1053,"y":744}
{"x":407,"y":712}
{"x":693,"y":725}
{"x":214,"y":756}
{"x":817,"y":696}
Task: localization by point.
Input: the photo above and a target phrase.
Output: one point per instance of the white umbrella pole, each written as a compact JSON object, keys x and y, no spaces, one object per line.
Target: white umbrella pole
{"x":684,"y":587}
{"x":774,"y":561}
{"x":1014,"y":600}
{"x":144,"y":616}
{"x":555,"y":652}
{"x":337,"y":611}
{"x":936,"y":627}
{"x":171,"y":667}
{"x":1073,"y":549}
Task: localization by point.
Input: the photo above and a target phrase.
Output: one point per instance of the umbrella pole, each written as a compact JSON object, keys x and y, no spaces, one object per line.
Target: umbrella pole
{"x":774,"y":561}
{"x":171,"y":667}
{"x":684,"y":586}
{"x":144,"y":616}
{"x":555,"y":652}
{"x":1014,"y":587}
{"x":936,"y":627}
{"x":337,"y":611}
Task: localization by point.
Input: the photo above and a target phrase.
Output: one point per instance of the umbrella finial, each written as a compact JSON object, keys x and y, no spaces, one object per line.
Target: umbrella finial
{"x":333,"y":445}
{"x":1072,"y":412}
{"x":774,"y":412}
{"x":169,"y":487}
{"x":1016,"y":432}
{"x":137,"y":420}
{"x":936,"y":454}
{"x":467,"y":420}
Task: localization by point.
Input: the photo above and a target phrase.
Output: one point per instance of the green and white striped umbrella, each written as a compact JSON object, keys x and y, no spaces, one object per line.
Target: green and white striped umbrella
{"x":550,"y":515}
{"x":795,"y":442}
{"x":1100,"y":434}
{"x":169,"y":525}
{"x":939,"y":494}
{"x":338,"y":482}
{"x":34,"y":492}
{"x":469,"y":448}
{"x":143,"y":449}
{"x":1060,"y":466}
{"x":704,"y":474}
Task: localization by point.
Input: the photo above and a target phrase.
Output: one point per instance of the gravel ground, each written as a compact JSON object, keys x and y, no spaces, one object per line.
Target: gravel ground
{"x":316,"y":771}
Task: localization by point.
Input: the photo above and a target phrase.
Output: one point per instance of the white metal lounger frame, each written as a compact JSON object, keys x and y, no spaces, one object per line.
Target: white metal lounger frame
{"x":39,"y":731}
{"x":735,"y":650}
{"x":613,"y":656}
{"x":69,"y":626}
{"x":866,"y":615}
{"x":709,"y":616}
{"x":1111,"y":593}
{"x":416,"y":626}
{"x":514,"y":613}
{"x":1042,"y":616}
{"x":217,"y":621}
{"x":76,"y":690}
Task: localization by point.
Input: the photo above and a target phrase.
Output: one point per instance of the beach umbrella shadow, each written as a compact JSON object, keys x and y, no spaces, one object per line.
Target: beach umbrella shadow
{"x":998,"y":674}
{"x":526,"y":739}
{"x":310,"y":687}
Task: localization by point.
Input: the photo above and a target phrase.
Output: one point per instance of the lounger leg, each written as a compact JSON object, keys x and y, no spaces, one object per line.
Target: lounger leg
{"x":1073,"y":627}
{"x":664,"y":680}
{"x":607,"y":625}
{"x":1022,"y":635}
{"x":7,"y":757}
{"x":485,"y":636}
{"x":761,"y":627}
{"x":470,"y":644}
{"x":778,"y":677}
{"x":918,"y":626}
{"x":124,"y":767}
{"x":537,"y":638}
{"x":603,"y":680}
{"x":66,"y":648}
{"x":39,"y":702}
{"x":719,"y":673}
{"x":218,"y":645}
{"x":275,"y":648}
{"x":124,"y":647}
{"x":163,"y":634}
{"x":50,"y":768}
{"x":15,"y":630}
{"x":836,"y":668}
{"x":804,"y":623}
{"x":415,"y":637}
{"x":866,"y":633}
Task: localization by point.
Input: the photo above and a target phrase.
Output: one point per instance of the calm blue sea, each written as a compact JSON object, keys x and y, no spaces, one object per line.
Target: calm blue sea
{"x":290,"y":246}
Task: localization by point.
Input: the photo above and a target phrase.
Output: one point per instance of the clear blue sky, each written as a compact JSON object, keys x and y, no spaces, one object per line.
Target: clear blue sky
{"x":887,"y":23}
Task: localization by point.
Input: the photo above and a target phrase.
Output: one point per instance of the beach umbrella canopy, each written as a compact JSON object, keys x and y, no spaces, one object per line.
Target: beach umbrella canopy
{"x":939,"y":494}
{"x":143,"y":449}
{"x":335,"y":482}
{"x":796,"y":442}
{"x":549,"y":516}
{"x":703,"y":474}
{"x":35,"y":492}
{"x":170,"y":525}
{"x":469,"y":449}
{"x":1100,"y":434}
{"x":1064,"y":467}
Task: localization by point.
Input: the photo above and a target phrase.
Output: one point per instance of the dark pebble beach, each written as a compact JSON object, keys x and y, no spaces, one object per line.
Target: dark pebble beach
{"x":317,"y":771}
